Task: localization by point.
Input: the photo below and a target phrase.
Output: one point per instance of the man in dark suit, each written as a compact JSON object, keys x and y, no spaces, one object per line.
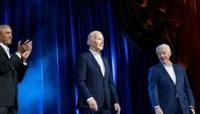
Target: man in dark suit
{"x":96,"y":90}
{"x":168,"y":86}
{"x":12,"y":69}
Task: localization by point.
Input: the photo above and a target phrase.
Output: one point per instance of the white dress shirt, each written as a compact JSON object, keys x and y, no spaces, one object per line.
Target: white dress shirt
{"x":6,"y":49}
{"x":99,"y":60}
{"x":170,"y":70}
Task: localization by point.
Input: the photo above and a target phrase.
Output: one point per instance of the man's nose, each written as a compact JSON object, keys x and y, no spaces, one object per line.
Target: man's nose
{"x":161,"y":56}
{"x":11,"y":36}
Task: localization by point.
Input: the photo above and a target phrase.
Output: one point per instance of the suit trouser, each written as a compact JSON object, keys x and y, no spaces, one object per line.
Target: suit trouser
{"x":93,"y":112}
{"x":178,"y":107}
{"x":8,"y":110}
{"x":103,"y":110}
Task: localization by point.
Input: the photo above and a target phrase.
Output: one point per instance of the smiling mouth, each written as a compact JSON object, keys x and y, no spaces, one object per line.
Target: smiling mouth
{"x":162,"y":59}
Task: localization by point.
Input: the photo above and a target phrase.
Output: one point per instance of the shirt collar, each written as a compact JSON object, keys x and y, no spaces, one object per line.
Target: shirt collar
{"x":4,"y":46}
{"x":167,"y":65}
{"x":94,"y":52}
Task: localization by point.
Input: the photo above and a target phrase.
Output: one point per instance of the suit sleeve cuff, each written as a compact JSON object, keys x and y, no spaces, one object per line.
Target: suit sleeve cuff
{"x":18,"y":55}
{"x":191,"y":107}
{"x":25,"y":63}
{"x":156,"y":107}
{"x":89,"y":99}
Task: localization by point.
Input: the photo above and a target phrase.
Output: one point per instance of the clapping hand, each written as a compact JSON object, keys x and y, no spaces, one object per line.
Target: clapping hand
{"x":24,"y":49}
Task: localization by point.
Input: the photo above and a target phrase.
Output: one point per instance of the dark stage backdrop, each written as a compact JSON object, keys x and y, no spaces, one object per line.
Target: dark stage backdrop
{"x":59,"y":30}
{"x":162,"y":21}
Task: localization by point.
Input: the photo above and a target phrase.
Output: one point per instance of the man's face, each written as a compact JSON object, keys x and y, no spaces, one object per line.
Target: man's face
{"x":164,"y":55}
{"x":97,"y":42}
{"x":6,"y":36}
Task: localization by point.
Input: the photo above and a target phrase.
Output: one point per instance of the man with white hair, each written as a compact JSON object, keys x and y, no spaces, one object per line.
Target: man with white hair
{"x":12,"y":69}
{"x":168,"y":86}
{"x":96,"y":90}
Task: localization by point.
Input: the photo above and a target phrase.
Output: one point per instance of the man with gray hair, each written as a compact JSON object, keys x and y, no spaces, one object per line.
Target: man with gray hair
{"x":12,"y":69}
{"x":96,"y":89}
{"x":168,"y":86}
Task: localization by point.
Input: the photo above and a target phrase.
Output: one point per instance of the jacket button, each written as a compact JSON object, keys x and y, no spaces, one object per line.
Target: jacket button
{"x":13,"y":68}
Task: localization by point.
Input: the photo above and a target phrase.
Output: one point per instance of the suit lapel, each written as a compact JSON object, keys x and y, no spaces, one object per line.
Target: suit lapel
{"x":95,"y":62}
{"x":163,"y":70}
{"x":177,"y":74}
{"x":3,"y":52}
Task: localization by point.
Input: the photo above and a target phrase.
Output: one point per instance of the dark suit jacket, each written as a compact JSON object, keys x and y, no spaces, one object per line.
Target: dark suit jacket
{"x":11,"y":72}
{"x":91,"y":83}
{"x":164,"y":92}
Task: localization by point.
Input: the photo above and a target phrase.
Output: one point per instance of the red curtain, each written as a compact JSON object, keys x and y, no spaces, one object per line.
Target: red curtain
{"x":189,"y":43}
{"x":174,"y":22}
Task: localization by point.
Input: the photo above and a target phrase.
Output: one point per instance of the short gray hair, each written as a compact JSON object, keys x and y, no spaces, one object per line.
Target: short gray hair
{"x":92,"y":35}
{"x":161,"y":46}
{"x":4,"y":26}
